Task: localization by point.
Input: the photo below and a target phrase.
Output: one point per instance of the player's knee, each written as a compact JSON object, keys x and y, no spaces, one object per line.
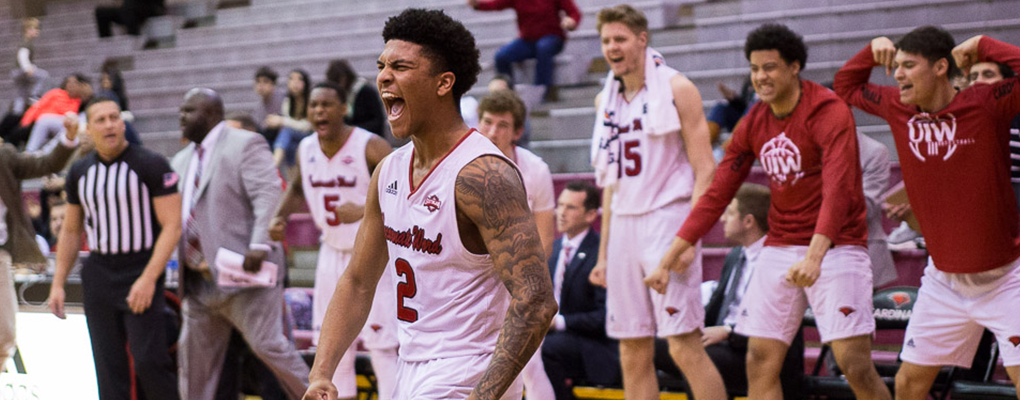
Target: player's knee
{"x":687,"y":350}
{"x":762,"y":360}
{"x":642,"y":349}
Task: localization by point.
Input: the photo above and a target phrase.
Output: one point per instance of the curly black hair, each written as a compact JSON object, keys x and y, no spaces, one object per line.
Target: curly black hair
{"x":445,"y":41}
{"x":932,"y":43}
{"x":777,"y":37}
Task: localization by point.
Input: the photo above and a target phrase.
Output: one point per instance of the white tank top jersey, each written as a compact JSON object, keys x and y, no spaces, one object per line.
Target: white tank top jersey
{"x":450,"y":302}
{"x":654,"y":170}
{"x":537,"y":180}
{"x":330,"y":182}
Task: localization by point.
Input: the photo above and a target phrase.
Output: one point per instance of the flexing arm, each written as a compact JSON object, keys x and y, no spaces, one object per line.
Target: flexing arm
{"x":695,"y":135}
{"x":352,"y":299}
{"x":1005,"y":97}
{"x":851,"y":81}
{"x":490,"y":194}
{"x":67,"y":252}
{"x":168,"y":212}
{"x":29,"y":166}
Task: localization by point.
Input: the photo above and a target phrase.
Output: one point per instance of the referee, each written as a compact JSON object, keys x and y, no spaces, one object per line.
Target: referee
{"x":127,"y":198}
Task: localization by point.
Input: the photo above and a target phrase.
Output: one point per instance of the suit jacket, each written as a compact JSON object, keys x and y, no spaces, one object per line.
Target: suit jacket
{"x":582,"y":304}
{"x":14,"y":168}
{"x":715,"y":303}
{"x":875,"y":169}
{"x":236,"y":197}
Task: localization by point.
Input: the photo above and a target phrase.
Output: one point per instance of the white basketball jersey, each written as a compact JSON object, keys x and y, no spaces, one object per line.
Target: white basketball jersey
{"x":654,"y":169}
{"x":450,"y":302}
{"x":537,"y":180}
{"x":329,"y":182}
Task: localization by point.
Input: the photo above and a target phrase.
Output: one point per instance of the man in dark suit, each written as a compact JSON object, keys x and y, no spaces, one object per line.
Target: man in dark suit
{"x":577,"y":347}
{"x":745,"y":223}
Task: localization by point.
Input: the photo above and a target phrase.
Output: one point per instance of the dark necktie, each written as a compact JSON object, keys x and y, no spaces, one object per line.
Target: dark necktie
{"x":732,"y":289}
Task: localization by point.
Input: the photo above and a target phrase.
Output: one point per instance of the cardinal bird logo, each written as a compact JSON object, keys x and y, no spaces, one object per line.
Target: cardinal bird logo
{"x":672,"y":310}
{"x":900,"y":298}
{"x":1015,"y":340}
{"x":846,"y":311}
{"x":432,"y":203}
{"x":376,"y":327}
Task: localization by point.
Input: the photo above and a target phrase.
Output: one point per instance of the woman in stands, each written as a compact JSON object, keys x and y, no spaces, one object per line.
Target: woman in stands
{"x":293,"y":119}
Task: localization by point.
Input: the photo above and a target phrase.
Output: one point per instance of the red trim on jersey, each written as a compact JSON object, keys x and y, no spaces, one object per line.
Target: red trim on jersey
{"x":410,"y":166}
{"x":340,"y":150}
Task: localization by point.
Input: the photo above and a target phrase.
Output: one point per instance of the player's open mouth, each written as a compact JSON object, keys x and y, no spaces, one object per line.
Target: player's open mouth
{"x":321,"y":125}
{"x":615,"y":60}
{"x":905,"y":88}
{"x":394,"y":105}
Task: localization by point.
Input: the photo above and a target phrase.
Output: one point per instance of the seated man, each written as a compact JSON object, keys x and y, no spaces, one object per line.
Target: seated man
{"x":46,"y":117}
{"x":745,"y":223}
{"x":577,"y":347}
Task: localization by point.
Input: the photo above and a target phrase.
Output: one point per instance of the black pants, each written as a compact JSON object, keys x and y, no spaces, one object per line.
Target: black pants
{"x":582,"y":359}
{"x":113,"y":328}
{"x":129,"y":14}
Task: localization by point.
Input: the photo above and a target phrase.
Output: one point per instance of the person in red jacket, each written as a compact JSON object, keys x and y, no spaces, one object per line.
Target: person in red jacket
{"x":542,"y":34}
{"x":816,"y":251}
{"x":954,"y":154}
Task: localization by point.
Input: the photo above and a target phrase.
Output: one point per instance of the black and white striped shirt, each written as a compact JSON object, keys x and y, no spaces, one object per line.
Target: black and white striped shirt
{"x":116,"y":197}
{"x":1014,"y":150}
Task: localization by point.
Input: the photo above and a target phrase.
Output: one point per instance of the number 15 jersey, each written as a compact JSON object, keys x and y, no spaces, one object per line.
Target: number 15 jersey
{"x":450,"y":302}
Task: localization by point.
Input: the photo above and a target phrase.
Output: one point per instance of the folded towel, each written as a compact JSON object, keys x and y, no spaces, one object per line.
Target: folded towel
{"x":661,"y":117}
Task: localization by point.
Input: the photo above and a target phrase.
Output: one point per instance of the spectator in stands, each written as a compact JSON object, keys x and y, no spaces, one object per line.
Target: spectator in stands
{"x":577,"y":348}
{"x":364,"y":107}
{"x":989,"y":73}
{"x":651,"y":180}
{"x":46,"y":117}
{"x":270,"y":102}
{"x":242,"y":120}
{"x":542,"y":35}
{"x":16,"y":233}
{"x":293,"y":119}
{"x":111,"y":85}
{"x":502,"y":121}
{"x":230,"y":190}
{"x":131,"y":14}
{"x":28,"y":78}
{"x":57,"y":211}
{"x":726,"y":114}
{"x":745,"y":223}
{"x":817,"y":219}
{"x":875,"y":180}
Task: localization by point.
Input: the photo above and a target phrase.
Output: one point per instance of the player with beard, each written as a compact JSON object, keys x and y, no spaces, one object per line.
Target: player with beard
{"x":954,"y":153}
{"x":448,"y":217}
{"x":816,"y":251}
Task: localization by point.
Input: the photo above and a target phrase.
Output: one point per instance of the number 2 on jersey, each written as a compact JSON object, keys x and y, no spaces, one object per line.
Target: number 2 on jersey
{"x":406,"y":289}
{"x":330,"y":201}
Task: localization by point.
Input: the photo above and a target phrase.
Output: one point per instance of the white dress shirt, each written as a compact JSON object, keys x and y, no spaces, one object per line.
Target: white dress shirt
{"x":751,"y":253}
{"x":3,"y":222}
{"x":559,"y":322}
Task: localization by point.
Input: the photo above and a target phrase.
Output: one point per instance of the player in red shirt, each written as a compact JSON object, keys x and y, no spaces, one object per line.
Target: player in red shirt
{"x":954,"y":153}
{"x":816,"y":251}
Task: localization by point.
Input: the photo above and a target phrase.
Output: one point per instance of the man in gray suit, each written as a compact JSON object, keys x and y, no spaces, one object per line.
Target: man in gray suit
{"x":231,"y":189}
{"x":875,"y":167}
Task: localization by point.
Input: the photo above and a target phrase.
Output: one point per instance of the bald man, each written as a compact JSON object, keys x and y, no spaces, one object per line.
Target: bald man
{"x":230,"y":189}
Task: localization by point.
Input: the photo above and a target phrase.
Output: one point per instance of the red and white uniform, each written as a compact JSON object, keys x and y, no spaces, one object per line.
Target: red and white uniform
{"x":537,"y":180}
{"x":652,"y":197}
{"x":811,"y":157}
{"x":956,"y":167}
{"x":450,"y":302}
{"x":327,"y":183}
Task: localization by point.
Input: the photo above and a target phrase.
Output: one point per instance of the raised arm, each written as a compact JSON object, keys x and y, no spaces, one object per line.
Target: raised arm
{"x":352,"y":299}
{"x":851,"y":81}
{"x":491,"y":194}
{"x":1005,"y":97}
{"x":29,"y":166}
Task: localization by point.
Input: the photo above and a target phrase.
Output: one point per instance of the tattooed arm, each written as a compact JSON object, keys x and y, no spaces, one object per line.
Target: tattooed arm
{"x":491,"y":195}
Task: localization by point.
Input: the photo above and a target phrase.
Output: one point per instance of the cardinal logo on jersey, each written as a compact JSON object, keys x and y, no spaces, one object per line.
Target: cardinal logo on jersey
{"x":846,"y":311}
{"x":432,"y":203}
{"x":672,"y":310}
{"x":1015,"y":340}
{"x":781,"y":159}
{"x":347,"y":160}
{"x":900,"y":298}
{"x":933,"y":136}
{"x":376,"y":327}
